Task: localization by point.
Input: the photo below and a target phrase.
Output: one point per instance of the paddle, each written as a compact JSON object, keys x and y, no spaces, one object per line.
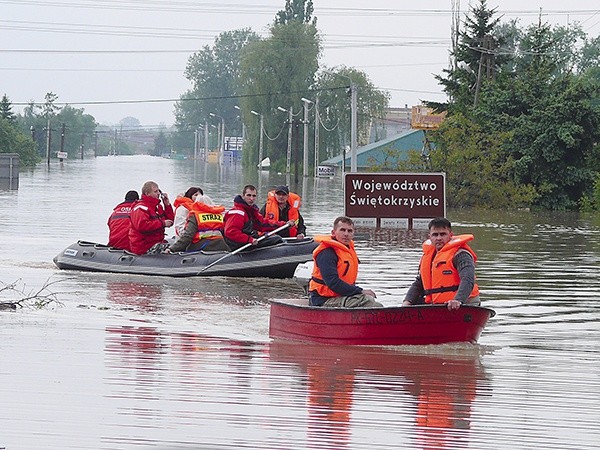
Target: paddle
{"x":264,"y":236}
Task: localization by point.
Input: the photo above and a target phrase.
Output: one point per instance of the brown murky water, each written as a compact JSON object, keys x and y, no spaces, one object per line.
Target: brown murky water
{"x":133,"y":362}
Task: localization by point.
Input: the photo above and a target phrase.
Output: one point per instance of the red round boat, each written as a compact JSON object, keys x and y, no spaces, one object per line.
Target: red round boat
{"x":399,"y":325}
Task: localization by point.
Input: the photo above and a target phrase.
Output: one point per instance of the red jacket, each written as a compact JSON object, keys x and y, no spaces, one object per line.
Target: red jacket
{"x":148,"y":223}
{"x":118,"y":226}
{"x":243,"y":222}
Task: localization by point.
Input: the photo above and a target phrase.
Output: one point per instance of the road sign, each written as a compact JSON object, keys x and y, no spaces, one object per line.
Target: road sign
{"x":395,"y":195}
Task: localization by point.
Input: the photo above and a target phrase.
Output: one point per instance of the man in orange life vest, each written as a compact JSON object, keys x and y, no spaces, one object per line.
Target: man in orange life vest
{"x":446,"y":271}
{"x":336,"y":269}
{"x":284,"y":205}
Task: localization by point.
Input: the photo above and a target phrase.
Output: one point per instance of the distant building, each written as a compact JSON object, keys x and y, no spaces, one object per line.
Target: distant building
{"x":395,"y":121}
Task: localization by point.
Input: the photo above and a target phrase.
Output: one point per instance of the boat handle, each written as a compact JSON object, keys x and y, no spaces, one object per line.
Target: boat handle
{"x":88,"y":254}
{"x":188,"y":260}
{"x":125,"y":258}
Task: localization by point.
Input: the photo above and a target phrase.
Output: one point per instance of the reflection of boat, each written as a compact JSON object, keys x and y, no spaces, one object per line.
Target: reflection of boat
{"x":277,"y":261}
{"x":442,"y":384}
{"x":409,"y":325}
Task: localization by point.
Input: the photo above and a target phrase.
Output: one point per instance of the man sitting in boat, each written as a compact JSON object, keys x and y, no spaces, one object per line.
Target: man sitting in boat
{"x":149,"y":219}
{"x":283,"y":205}
{"x":203,"y":228}
{"x":243,"y":222}
{"x":335,"y":270}
{"x":446,"y":270}
{"x":119,"y":222}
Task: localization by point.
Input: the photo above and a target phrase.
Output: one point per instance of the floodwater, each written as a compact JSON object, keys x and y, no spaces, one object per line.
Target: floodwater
{"x":138,"y":362}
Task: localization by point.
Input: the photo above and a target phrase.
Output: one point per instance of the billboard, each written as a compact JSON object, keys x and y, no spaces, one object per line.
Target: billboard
{"x":395,"y":195}
{"x":423,"y":118}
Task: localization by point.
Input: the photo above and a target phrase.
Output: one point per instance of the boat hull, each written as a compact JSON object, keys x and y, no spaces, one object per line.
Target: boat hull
{"x":409,"y":325}
{"x":278,"y":261}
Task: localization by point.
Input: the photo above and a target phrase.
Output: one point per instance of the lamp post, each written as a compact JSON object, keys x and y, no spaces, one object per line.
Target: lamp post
{"x":289,"y":148}
{"x":243,"y":126}
{"x":260,"y":139}
{"x":305,"y":155}
{"x":206,"y":131}
{"x":222,"y":140}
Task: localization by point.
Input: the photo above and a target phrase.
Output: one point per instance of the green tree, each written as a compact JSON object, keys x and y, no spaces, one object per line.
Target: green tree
{"x":333,"y":89}
{"x":478,"y":172}
{"x":6,"y":111}
{"x":542,"y":114}
{"x":161,"y":144}
{"x":214,"y":73}
{"x":475,"y":58}
{"x":277,"y":72}
{"x":296,"y":11}
{"x":79,"y":129}
{"x":12,"y":140}
{"x":554,"y":124}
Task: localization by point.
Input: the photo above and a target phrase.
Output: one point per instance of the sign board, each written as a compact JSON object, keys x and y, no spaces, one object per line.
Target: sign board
{"x":395,"y":195}
{"x":325,"y":171}
{"x":233,"y":143}
{"x":62,"y":155}
{"x":423,"y":118}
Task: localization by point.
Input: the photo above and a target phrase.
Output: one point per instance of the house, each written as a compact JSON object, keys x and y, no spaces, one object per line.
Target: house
{"x":385,"y":151}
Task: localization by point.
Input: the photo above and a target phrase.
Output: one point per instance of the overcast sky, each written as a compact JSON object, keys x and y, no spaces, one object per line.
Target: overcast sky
{"x":119,"y":58}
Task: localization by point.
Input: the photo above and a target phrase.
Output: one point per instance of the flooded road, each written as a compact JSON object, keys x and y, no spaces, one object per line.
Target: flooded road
{"x":138,"y":362}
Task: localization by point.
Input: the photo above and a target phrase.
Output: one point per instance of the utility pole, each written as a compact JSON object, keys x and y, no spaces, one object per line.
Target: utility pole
{"x":82,"y":144}
{"x":62,"y":138}
{"x":296,"y":145}
{"x":317,"y":126}
{"x":115,"y":144}
{"x":354,"y":126}
{"x":289,"y":149}
{"x":48,"y":138}
{"x":305,"y":121}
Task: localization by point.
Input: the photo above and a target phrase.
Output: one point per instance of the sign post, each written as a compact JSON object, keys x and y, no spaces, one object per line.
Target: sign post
{"x":395,"y":196}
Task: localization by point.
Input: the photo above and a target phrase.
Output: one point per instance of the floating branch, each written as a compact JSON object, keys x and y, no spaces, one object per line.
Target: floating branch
{"x":21,"y":297}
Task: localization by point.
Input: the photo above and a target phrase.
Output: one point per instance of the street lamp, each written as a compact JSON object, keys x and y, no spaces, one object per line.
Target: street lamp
{"x":289,"y":148}
{"x":260,"y":140}
{"x":353,"y":121}
{"x":222,"y":141}
{"x":243,"y":124}
{"x":305,"y":155}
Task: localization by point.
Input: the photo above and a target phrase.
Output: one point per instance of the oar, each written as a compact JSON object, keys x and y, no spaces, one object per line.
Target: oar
{"x":264,"y":236}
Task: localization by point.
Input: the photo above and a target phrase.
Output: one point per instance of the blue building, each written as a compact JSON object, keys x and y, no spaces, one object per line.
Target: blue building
{"x":379,"y":153}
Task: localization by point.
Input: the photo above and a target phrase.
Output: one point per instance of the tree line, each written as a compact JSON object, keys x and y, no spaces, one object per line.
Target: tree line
{"x":523,"y":121}
{"x":243,"y":77}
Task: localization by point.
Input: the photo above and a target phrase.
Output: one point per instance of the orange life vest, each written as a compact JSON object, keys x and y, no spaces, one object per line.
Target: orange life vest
{"x":438,"y":274}
{"x":185,"y":201}
{"x":272,"y":209}
{"x":209,"y":220}
{"x":347,"y":265}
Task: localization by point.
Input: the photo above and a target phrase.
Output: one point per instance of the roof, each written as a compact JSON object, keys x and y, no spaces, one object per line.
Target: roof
{"x":380,"y":152}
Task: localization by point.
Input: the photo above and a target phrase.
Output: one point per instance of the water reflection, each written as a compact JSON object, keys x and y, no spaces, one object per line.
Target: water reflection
{"x":143,"y":297}
{"x":442,"y":388}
